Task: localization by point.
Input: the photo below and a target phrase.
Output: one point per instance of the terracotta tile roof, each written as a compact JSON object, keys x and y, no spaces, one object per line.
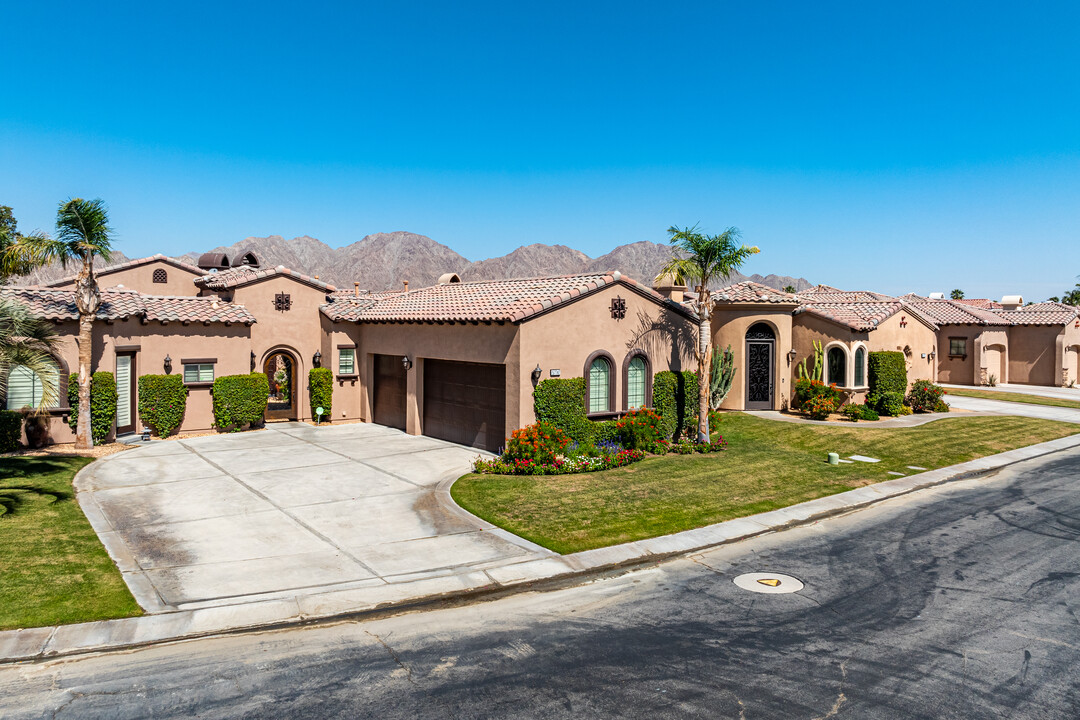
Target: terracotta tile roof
{"x":488,"y":301}
{"x":55,"y":304}
{"x":862,"y":316}
{"x":952,"y":312}
{"x":752,"y":292}
{"x":244,"y":275}
{"x":132,"y":264}
{"x":1044,"y":313}
{"x":828,"y":294}
{"x":983,"y":303}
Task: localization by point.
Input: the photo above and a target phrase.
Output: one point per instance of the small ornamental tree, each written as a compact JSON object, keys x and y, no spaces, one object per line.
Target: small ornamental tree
{"x":102,"y":404}
{"x":675,"y":397}
{"x":162,"y":402}
{"x":321,"y":388}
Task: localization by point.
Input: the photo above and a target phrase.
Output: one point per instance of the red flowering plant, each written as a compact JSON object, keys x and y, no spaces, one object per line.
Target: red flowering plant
{"x":539,"y":443}
{"x":807,"y":390}
{"x":640,"y":429}
{"x":820,"y":407}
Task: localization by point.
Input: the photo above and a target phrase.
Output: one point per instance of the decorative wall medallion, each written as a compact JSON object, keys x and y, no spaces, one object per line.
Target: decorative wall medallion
{"x":618,"y":308}
{"x":282,"y":302}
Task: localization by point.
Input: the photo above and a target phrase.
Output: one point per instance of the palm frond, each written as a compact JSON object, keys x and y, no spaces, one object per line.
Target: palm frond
{"x":31,"y":342}
{"x":35,"y":250}
{"x":84,"y":226}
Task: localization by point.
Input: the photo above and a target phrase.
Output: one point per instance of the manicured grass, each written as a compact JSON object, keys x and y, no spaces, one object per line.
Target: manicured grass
{"x":53,"y":568}
{"x":1014,"y":397}
{"x":769,"y":464}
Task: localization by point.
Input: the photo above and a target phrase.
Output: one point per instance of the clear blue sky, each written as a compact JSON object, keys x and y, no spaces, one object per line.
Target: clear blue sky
{"x":922,"y":146}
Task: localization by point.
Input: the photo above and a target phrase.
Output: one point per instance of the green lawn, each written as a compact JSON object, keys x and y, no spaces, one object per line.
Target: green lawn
{"x":1014,"y":397}
{"x":53,"y":568}
{"x":769,"y":464}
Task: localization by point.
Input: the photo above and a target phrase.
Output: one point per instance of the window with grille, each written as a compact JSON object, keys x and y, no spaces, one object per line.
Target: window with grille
{"x":600,"y":386}
{"x":636,"y":375}
{"x":860,"y":367}
{"x":837,"y":367}
{"x":346,"y":361}
{"x":160,"y":276}
{"x":198,"y":373}
{"x":958,"y":347}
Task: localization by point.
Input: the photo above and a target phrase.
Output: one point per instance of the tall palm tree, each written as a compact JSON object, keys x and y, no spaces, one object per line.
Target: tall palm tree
{"x":82,"y":232}
{"x":31,"y":343}
{"x":700,"y":260}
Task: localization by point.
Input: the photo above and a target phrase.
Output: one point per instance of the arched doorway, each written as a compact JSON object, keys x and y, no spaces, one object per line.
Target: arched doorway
{"x":760,"y":352}
{"x":280,"y":370}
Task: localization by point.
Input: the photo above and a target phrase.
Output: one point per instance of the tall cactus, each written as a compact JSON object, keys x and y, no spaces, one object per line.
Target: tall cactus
{"x":722,"y":375}
{"x":817,"y":371}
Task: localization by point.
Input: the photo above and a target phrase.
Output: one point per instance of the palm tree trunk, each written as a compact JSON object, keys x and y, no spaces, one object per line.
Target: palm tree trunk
{"x":83,"y":439}
{"x":704,"y":366}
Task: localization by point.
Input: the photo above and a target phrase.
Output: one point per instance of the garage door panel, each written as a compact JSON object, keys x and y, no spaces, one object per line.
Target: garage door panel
{"x":465,"y":403}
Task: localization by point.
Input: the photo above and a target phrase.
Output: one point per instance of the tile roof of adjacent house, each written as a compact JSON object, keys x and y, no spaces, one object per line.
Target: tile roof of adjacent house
{"x":863,"y":316}
{"x":245,"y":275}
{"x":487,"y":301}
{"x":120,"y":304}
{"x":829,"y":294}
{"x":1044,"y":313}
{"x":749,"y":291}
{"x":984,"y":303}
{"x":109,"y":269}
{"x":952,"y":312}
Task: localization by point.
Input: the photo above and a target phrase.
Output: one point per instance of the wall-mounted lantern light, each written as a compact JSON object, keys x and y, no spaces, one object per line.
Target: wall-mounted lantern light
{"x":168,"y":364}
{"x":316,"y":359}
{"x":536,"y":373}
{"x":932,"y":354}
{"x":791,"y":356}
{"x":406,"y":362}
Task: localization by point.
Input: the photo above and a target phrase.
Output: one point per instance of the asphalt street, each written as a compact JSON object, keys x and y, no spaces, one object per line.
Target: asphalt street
{"x":958,"y":602}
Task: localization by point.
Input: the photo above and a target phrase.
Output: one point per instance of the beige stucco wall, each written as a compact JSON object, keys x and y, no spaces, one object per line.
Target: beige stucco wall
{"x":987,"y":349}
{"x":807,"y":329}
{"x":1033,"y":354}
{"x":141,"y":279}
{"x":566,"y":337}
{"x":729,"y":326}
{"x":347,"y":390}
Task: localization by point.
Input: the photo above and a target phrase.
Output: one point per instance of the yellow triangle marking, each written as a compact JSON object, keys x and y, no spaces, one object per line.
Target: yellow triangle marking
{"x":771,"y":582}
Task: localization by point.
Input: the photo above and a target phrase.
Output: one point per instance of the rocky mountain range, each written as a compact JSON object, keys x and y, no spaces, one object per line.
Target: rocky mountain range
{"x":382,"y":261}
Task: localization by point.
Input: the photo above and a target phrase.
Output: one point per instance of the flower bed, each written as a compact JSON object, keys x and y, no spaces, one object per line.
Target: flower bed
{"x":558,"y":466}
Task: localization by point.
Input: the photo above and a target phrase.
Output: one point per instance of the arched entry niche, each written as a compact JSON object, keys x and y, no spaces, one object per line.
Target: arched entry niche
{"x":280,"y":368}
{"x":760,"y":363}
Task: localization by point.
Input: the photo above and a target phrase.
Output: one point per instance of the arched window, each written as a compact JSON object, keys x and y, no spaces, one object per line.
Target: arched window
{"x":837,"y":363}
{"x":860,"y":367}
{"x":160,"y":276}
{"x":600,"y":385}
{"x":25,"y":388}
{"x":760,"y":331}
{"x":637,"y":374}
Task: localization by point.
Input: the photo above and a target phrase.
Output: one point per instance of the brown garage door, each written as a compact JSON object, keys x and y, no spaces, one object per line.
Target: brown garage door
{"x":465,"y":403}
{"x":389,"y":391}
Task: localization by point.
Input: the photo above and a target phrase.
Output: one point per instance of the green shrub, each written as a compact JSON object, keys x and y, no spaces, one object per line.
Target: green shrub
{"x":887,"y":373}
{"x":605,"y":431}
{"x":162,"y":402}
{"x":561,"y":402}
{"x":640,"y":429}
{"x":10,"y":430}
{"x":869,"y":413}
{"x":539,"y":443}
{"x":890,"y":403}
{"x":240,"y":400}
{"x":321,"y":387}
{"x":941,"y":406}
{"x":852,"y":412}
{"x":925,"y":396}
{"x":102,"y":404}
{"x":675,"y":400}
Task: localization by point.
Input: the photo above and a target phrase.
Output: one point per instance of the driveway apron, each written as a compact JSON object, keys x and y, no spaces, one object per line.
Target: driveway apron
{"x":287,"y":511}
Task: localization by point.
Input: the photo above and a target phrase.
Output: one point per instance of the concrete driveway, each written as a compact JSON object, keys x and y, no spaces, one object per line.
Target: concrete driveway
{"x":289,"y":510}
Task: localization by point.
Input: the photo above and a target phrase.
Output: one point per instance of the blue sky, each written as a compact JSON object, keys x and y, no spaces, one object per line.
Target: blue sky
{"x":921,"y":146}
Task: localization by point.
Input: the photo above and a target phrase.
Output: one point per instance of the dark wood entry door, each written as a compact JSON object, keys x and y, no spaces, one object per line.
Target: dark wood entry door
{"x":465,"y":403}
{"x":125,"y":392}
{"x":759,"y":375}
{"x":389,"y":391}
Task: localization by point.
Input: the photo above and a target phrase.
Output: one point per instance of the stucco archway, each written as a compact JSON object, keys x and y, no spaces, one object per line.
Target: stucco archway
{"x":760,"y":372}
{"x":282,"y":369}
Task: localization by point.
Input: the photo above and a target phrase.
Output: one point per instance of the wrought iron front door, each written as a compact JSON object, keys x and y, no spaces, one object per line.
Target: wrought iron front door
{"x":759,"y":386}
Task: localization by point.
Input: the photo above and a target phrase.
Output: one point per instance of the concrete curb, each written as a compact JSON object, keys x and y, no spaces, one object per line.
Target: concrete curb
{"x":37,"y":644}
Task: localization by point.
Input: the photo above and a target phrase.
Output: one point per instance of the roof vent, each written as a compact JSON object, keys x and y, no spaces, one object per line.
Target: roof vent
{"x":1012,"y":302}
{"x":936,"y":296}
{"x":247,"y":258}
{"x":447,"y":278}
{"x":214,"y":261}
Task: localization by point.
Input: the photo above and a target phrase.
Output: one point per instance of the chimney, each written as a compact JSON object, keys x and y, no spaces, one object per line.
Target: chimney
{"x":356,"y":289}
{"x":1012,"y":302}
{"x":670,"y":287}
{"x":406,"y":285}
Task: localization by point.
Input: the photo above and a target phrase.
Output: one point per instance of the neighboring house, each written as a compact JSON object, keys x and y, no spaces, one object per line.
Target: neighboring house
{"x":156,"y":275}
{"x":1045,"y":344}
{"x":973,"y":343}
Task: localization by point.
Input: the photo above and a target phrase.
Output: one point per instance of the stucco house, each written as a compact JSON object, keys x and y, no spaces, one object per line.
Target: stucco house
{"x":1045,"y":344}
{"x":972,"y":344}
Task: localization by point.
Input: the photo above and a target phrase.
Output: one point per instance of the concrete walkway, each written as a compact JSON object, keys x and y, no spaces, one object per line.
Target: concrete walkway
{"x":1038,"y":390}
{"x":1002,"y":407}
{"x":292,"y":510}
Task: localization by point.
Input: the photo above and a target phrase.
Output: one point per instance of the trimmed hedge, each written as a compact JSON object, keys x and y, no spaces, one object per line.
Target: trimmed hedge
{"x":675,"y":400}
{"x":561,"y":402}
{"x":162,"y":402}
{"x":102,"y":404}
{"x":321,"y":390}
{"x":888,"y":373}
{"x":10,"y":430}
{"x":240,"y":400}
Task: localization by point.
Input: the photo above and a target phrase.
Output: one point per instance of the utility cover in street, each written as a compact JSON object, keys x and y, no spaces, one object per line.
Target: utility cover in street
{"x":768,"y":583}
